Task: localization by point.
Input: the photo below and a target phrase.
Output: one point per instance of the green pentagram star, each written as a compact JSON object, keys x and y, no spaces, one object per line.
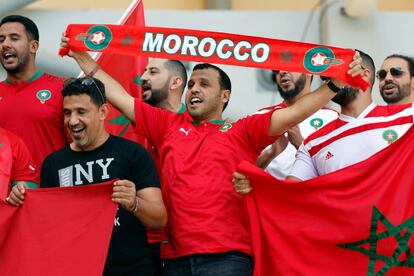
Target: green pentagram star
{"x":286,"y":56}
{"x":126,"y":40}
{"x":374,"y":237}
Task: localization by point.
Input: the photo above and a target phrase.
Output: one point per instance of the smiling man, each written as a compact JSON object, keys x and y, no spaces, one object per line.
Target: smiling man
{"x":207,"y":230}
{"x":396,"y":79}
{"x":29,"y":97}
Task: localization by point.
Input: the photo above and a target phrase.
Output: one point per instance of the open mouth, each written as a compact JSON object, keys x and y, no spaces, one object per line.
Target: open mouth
{"x":9,"y":57}
{"x":77,"y":131}
{"x":195,"y":101}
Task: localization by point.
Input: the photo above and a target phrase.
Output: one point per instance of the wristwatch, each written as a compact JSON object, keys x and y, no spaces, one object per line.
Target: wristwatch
{"x":332,"y":86}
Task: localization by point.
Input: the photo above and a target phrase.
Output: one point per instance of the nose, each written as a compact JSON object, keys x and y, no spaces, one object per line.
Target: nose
{"x":145,"y":76}
{"x":72,"y":120}
{"x":388,"y":76}
{"x":5,"y":43}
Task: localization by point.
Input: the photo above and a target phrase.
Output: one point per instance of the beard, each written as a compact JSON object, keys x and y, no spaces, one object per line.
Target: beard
{"x":20,"y":66}
{"x":402,"y":92}
{"x":346,"y":95}
{"x":299,"y":84}
{"x":157,"y":95}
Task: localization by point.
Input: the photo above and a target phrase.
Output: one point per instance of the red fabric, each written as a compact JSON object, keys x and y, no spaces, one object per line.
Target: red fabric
{"x":39,"y":123}
{"x":238,"y":50}
{"x":127,"y":71}
{"x":197,"y":163}
{"x":6,"y":160}
{"x":57,"y":231}
{"x":297,"y":227}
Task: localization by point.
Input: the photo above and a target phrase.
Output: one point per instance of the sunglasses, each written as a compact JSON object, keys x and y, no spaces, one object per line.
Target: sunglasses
{"x":394,"y":71}
{"x":87,"y":81}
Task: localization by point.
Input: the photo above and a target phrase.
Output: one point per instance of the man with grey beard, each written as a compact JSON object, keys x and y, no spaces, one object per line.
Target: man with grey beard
{"x":396,"y":82}
{"x":278,"y":158}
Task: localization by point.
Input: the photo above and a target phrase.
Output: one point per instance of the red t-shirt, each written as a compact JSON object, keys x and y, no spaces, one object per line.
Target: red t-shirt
{"x":33,"y":110}
{"x":12,"y":149}
{"x":205,"y":214}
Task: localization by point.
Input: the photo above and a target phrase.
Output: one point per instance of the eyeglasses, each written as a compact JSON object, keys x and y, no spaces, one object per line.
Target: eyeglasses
{"x":87,"y":81}
{"x":395,"y":72}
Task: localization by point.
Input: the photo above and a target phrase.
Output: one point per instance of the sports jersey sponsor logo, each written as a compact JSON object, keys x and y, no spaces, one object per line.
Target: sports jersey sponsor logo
{"x":316,"y":123}
{"x":329,"y":155}
{"x":390,"y":135}
{"x":43,"y":95}
{"x":319,"y":59}
{"x":226,"y":127}
{"x":96,"y":38}
{"x":185,"y":131}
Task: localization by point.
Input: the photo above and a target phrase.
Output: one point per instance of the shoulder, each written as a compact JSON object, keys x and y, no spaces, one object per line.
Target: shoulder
{"x":125,"y":145}
{"x":58,"y":155}
{"x":53,"y":78}
{"x":389,"y":110}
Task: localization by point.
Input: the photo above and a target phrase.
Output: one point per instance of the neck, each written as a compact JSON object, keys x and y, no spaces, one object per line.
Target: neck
{"x":302,"y":93}
{"x":355,"y":108}
{"x":25,"y":74}
{"x":173,"y":106}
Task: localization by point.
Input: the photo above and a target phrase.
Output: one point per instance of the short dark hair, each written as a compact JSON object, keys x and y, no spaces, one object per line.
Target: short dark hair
{"x":176,"y":67}
{"x":87,"y":85}
{"x":224,"y":80}
{"x":408,"y":59}
{"x":31,"y":29}
{"x":368,"y":63}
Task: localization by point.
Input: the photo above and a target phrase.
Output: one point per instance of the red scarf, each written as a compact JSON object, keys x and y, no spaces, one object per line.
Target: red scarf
{"x":214,"y":47}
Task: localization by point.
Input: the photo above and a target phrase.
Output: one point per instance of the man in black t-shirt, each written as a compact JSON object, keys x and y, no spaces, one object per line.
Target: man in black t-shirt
{"x":95,"y":156}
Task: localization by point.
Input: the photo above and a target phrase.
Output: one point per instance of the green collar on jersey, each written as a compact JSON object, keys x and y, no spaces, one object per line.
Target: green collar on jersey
{"x":182,"y":109}
{"x":216,"y":122}
{"x":37,"y":75}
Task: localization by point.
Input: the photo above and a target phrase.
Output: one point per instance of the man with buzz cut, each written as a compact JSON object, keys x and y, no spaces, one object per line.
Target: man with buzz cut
{"x":207,"y":233}
{"x":30,"y":100}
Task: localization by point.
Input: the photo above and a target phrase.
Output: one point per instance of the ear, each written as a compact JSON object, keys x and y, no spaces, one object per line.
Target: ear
{"x":225,"y":96}
{"x":103,"y":111}
{"x":367,"y":75}
{"x":175,"y":82}
{"x":34,"y":45}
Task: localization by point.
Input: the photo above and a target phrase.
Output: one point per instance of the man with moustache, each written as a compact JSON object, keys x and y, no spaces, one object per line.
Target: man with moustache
{"x":30,"y":100}
{"x":361,"y":130}
{"x":163,"y":83}
{"x":396,"y":79}
{"x":279,"y":157}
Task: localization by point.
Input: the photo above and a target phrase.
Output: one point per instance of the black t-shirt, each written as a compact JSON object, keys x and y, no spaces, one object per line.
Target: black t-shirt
{"x":116,"y":158}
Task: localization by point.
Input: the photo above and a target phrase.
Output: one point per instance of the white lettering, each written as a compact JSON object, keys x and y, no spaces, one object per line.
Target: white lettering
{"x":245,"y":55}
{"x":167,"y":44}
{"x":104,"y":167}
{"x":151,"y":45}
{"x":203,"y":43}
{"x":189,"y":44}
{"x":88,"y":175}
{"x":265,"y":52}
{"x":220,"y":46}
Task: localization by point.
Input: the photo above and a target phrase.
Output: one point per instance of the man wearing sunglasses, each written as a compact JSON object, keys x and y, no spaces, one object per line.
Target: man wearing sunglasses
{"x":207,"y":233}
{"x":396,"y":79}
{"x":278,"y":158}
{"x":30,"y":100}
{"x":95,"y":156}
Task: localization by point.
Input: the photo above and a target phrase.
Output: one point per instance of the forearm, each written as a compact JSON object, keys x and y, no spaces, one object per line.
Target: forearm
{"x":284,"y":118}
{"x":114,"y":91}
{"x":152,"y":214}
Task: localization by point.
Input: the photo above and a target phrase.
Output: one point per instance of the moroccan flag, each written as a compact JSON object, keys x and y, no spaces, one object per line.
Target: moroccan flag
{"x":57,"y":231}
{"x":356,"y":221}
{"x":127,"y":70}
{"x":214,"y":47}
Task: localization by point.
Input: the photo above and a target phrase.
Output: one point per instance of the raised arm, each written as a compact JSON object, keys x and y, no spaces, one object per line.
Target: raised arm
{"x":284,"y":118}
{"x":115,"y":93}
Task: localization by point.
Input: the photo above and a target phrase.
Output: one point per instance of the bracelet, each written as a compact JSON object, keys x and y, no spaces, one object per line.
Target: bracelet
{"x":93,"y":71}
{"x":136,"y":206}
{"x":333,"y":87}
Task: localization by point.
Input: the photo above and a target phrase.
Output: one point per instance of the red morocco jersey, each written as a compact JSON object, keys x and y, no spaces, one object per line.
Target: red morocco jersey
{"x":33,"y":110}
{"x":205,"y":214}
{"x":16,"y":164}
{"x":349,"y":140}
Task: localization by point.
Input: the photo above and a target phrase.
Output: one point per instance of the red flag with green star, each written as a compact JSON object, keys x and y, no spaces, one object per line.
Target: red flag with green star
{"x":356,"y":221}
{"x":127,"y":71}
